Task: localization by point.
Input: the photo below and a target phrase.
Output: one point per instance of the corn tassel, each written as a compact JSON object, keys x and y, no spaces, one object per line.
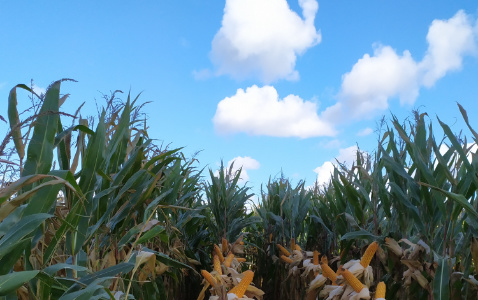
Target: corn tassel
{"x":241,"y":288}
{"x":283,"y":250}
{"x":241,"y":259}
{"x":352,"y":280}
{"x":208,"y":277}
{"x":368,"y":255}
{"x":219,"y":253}
{"x":224,"y":245}
{"x":316,"y":257}
{"x":328,"y":272}
{"x":381,"y":289}
{"x":217,"y":265}
{"x":286,"y":259}
{"x":228,"y":260}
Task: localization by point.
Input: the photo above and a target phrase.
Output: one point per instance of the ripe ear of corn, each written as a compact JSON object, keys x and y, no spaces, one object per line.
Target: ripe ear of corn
{"x":368,"y":255}
{"x":241,"y":288}
{"x":297,"y":247}
{"x":286,"y":259}
{"x":219,"y":253}
{"x":316,"y":257}
{"x":208,"y":277}
{"x":241,"y":259}
{"x":283,"y":250}
{"x":217,"y":265}
{"x":352,"y":280}
{"x":228,"y":260}
{"x":381,"y":289}
{"x":292,"y":244}
{"x":328,"y":272}
{"x":224,"y":245}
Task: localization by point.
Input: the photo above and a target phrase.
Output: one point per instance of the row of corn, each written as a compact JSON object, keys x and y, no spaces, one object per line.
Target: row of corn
{"x":225,"y":282}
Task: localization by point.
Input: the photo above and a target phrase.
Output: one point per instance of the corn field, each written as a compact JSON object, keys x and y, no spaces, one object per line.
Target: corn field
{"x":97,"y":210}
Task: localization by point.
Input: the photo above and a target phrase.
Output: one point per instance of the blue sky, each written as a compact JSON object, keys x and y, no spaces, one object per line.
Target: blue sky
{"x":280,"y":86}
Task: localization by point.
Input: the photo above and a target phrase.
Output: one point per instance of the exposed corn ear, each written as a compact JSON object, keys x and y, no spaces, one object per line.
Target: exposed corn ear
{"x":283,"y":250}
{"x":241,"y":259}
{"x":297,"y":247}
{"x":286,"y":259}
{"x":270,"y":238}
{"x":241,"y":243}
{"x":352,"y":280}
{"x":381,"y":289}
{"x":228,"y":260}
{"x":224,"y":245}
{"x":368,"y":255}
{"x":292,"y":244}
{"x":217,"y":265}
{"x":208,"y":277}
{"x":316,"y":257}
{"x":219,"y":253}
{"x":328,"y":272}
{"x":241,"y":288}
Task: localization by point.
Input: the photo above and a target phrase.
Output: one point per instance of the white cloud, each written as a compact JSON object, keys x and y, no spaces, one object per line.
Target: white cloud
{"x":244,"y":162}
{"x":325,"y":171}
{"x":259,"y":111}
{"x":365,"y":131}
{"x":38,"y":90}
{"x":373,"y":80}
{"x":448,"y":42}
{"x":262,"y":38}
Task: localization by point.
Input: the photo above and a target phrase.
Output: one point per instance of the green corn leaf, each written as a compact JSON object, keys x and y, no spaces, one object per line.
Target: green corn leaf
{"x":14,"y":120}
{"x":40,"y":148}
{"x":19,"y":231}
{"x":10,"y":282}
{"x":441,"y":282}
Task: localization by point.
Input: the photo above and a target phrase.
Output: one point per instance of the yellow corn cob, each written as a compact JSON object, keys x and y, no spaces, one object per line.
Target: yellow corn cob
{"x":292,"y":244}
{"x":224,"y":245}
{"x":316,"y":257}
{"x":328,"y":272}
{"x":241,"y":259}
{"x":297,"y":247}
{"x":352,"y":280}
{"x":286,"y":259}
{"x":368,"y":255}
{"x":208,"y":277}
{"x":283,"y":250}
{"x":381,"y":288}
{"x":241,"y":243}
{"x":241,"y":288}
{"x":228,"y":260}
{"x":217,"y":265}
{"x":219,"y":253}
{"x":270,"y":238}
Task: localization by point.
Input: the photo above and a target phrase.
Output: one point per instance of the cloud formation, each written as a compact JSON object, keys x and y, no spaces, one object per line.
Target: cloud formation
{"x":262,"y":38}
{"x":259,"y":111}
{"x":244,"y":162}
{"x":373,"y":80}
{"x":325,"y":171}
